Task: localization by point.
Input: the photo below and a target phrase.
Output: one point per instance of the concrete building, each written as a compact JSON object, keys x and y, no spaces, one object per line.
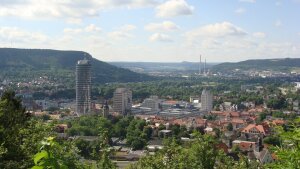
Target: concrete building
{"x":297,"y":87}
{"x":296,"y":105}
{"x":122,"y":101}
{"x":194,"y":99}
{"x":83,"y":87}
{"x":206,"y":101}
{"x":153,"y":103}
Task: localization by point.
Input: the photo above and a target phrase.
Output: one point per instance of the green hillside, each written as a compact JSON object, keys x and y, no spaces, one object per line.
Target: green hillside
{"x":286,"y":64}
{"x":27,"y":63}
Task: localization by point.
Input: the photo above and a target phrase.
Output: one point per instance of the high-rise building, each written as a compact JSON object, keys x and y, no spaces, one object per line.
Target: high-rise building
{"x":122,"y":101}
{"x":83,"y":87}
{"x":206,"y":101}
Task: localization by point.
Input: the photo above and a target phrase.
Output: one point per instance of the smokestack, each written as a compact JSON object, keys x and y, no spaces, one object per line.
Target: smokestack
{"x":205,"y":66}
{"x":200,"y":66}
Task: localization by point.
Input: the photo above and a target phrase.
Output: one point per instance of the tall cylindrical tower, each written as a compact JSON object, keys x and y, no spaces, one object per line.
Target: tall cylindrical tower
{"x":83,"y":87}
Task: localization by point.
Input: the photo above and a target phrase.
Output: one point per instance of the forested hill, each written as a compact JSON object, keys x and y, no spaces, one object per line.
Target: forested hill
{"x":286,"y":64}
{"x":30,"y":62}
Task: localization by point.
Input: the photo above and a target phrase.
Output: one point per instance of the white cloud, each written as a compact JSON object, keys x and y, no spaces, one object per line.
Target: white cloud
{"x":76,"y":21}
{"x":92,"y":28}
{"x":216,"y":30}
{"x":172,"y":8}
{"x":227,"y":42}
{"x":160,"y":37}
{"x":259,"y":34}
{"x":249,"y":1}
{"x":88,"y":29}
{"x":240,"y":11}
{"x":128,"y":3}
{"x":47,"y":9}
{"x":123,"y":32}
{"x":120,"y":35}
{"x":17,"y":35}
{"x":127,"y":27}
{"x":164,"y":26}
{"x":278,"y":23}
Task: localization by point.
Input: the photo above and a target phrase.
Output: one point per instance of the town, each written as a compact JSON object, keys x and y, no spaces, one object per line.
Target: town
{"x":242,"y":117}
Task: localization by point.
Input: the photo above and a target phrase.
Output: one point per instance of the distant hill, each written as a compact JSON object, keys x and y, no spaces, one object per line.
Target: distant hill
{"x":286,"y":64}
{"x":29,"y":62}
{"x":160,"y":66}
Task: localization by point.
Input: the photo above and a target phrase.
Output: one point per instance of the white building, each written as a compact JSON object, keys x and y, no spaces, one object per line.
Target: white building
{"x":297,"y":87}
{"x":206,"y":101}
{"x":153,"y":102}
{"x":122,"y":101}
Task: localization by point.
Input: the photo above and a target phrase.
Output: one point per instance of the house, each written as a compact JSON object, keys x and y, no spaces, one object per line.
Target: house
{"x":244,"y":146}
{"x":252,"y":131}
{"x":255,"y":130}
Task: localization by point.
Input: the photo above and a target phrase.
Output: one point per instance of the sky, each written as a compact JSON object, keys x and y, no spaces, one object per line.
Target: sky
{"x":155,"y":30}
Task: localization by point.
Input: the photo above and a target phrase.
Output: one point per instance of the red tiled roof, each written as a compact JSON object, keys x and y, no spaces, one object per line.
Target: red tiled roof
{"x":179,"y":121}
{"x":260,"y":128}
{"x":278,"y":122}
{"x":246,"y":146}
{"x":234,"y":114}
{"x":238,"y":120}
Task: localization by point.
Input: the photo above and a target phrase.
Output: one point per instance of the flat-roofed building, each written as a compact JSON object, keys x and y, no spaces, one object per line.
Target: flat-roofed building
{"x":206,"y":101}
{"x":122,"y":101}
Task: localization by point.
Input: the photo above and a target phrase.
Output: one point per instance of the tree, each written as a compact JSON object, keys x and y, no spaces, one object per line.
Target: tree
{"x":13,"y":119}
{"x":272,"y":140}
{"x":135,"y":136}
{"x":57,"y":155}
{"x":229,"y":127}
{"x":200,"y":153}
{"x":203,"y":152}
{"x":105,"y":162}
{"x":277,"y":103}
{"x":288,"y":152}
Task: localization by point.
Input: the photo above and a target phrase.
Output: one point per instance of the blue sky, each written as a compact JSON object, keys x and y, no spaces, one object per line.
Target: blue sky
{"x":155,"y":30}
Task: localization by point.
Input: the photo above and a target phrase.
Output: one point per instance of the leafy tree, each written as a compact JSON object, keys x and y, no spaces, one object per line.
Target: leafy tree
{"x":278,"y":114}
{"x":135,"y":136}
{"x":288,"y":152}
{"x":203,"y":153}
{"x":277,"y":103}
{"x":120,"y":128}
{"x":262,"y":116}
{"x":55,"y":155}
{"x":272,"y":140}
{"x":229,"y":127}
{"x":200,"y":153}
{"x":13,"y":119}
{"x":105,"y":162}
{"x":148,"y":132}
{"x":175,"y":129}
